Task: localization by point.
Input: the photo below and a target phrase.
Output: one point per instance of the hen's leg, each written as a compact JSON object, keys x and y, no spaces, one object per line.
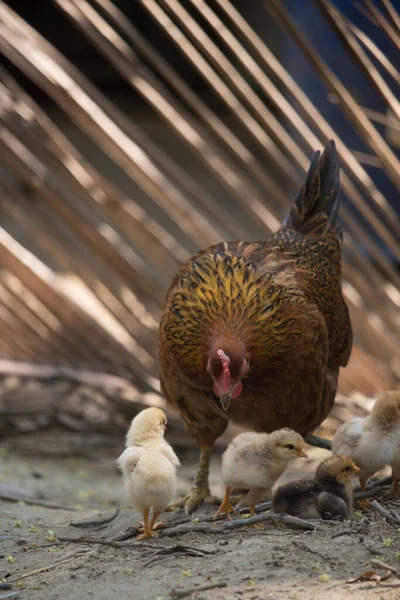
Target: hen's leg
{"x":226,"y":506}
{"x":200,"y":490}
{"x":147,"y":533}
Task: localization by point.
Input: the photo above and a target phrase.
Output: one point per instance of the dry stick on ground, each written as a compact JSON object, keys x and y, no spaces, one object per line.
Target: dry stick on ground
{"x":113,"y":543}
{"x":176,"y":551}
{"x":231,"y":525}
{"x":392,"y":518}
{"x":381,"y":565}
{"x":54,"y":565}
{"x":345,"y":532}
{"x":200,"y":588}
{"x":34,"y":501}
{"x":97,"y":522}
{"x":148,"y":546}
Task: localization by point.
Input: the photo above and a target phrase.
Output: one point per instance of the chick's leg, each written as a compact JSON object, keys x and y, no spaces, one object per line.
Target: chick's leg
{"x":153,"y":526}
{"x":395,"y":492}
{"x":226,"y":506}
{"x":364,"y":504}
{"x":253,"y":497}
{"x":147,"y":533}
{"x":200,"y":490}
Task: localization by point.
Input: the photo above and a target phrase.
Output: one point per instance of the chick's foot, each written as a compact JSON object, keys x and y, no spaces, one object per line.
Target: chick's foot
{"x":144,"y":536}
{"x":394,"y":493}
{"x":364,"y":505}
{"x":226,"y":507}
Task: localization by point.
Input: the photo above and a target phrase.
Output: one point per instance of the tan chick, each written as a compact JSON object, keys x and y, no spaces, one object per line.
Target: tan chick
{"x":373,"y":442}
{"x":148,"y":466}
{"x":254,"y":461}
{"x":329,"y":495}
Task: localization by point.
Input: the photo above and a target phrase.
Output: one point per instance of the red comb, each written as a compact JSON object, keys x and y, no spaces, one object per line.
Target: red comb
{"x":226,"y":376}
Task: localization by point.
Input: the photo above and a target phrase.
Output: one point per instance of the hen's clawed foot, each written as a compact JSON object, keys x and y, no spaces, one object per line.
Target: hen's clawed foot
{"x":193,"y":499}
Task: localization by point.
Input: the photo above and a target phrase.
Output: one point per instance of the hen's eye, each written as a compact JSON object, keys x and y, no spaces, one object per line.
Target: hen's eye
{"x":289,"y":446}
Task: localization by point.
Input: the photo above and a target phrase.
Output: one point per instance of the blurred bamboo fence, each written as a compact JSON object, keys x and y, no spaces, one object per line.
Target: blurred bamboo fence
{"x":84,"y":267}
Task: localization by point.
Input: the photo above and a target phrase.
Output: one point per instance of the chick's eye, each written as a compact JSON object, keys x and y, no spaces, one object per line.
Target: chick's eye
{"x":347,"y":469}
{"x":289,"y":446}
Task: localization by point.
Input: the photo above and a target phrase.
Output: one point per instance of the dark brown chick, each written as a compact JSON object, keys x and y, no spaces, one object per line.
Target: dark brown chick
{"x":255,"y":332}
{"x":327,"y":496}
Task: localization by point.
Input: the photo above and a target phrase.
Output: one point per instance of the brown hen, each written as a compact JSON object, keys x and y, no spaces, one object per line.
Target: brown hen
{"x":255,"y":332}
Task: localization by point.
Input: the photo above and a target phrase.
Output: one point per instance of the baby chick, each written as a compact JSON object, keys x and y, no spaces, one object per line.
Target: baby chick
{"x":373,"y":441}
{"x":254,"y":461}
{"x":328,"y":495}
{"x":148,"y":466}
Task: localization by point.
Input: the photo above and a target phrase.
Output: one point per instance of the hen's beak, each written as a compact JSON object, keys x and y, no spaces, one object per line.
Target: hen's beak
{"x":302,"y":453}
{"x":225,"y":400}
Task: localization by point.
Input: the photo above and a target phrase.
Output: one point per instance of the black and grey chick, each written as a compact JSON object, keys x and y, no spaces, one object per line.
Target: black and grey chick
{"x":328,"y":496}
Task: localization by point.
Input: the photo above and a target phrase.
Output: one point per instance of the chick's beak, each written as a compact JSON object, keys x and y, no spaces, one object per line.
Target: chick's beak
{"x":356,"y":470}
{"x":302,"y":453}
{"x":225,"y":400}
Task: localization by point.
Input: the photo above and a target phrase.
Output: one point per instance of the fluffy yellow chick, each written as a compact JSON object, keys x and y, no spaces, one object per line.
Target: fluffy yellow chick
{"x":373,"y":442}
{"x":254,"y":461}
{"x":148,"y":466}
{"x":328,"y":496}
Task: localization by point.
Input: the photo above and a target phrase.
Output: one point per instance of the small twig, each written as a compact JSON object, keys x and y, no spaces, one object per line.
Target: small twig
{"x":381,"y":565}
{"x":308,"y":549}
{"x":96,"y":522}
{"x":53,"y":566}
{"x":200,"y":588}
{"x":385,"y":513}
{"x":34,"y":501}
{"x":339,"y":533}
{"x":10,"y":596}
{"x":113,"y":543}
{"x":176,"y":550}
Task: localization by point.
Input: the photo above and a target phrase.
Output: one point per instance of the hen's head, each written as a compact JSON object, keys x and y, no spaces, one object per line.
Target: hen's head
{"x":227,"y":369}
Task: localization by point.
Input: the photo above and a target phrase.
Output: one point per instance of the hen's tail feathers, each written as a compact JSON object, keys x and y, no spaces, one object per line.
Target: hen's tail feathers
{"x":319,"y":196}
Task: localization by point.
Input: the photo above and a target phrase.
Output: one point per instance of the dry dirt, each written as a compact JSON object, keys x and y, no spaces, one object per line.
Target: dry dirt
{"x":273,"y":562}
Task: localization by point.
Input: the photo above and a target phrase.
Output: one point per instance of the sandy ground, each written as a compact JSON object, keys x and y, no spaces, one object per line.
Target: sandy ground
{"x":272,"y":562}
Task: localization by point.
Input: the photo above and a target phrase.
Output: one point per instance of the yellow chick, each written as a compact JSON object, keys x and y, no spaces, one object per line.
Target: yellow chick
{"x":148,"y":466}
{"x":327,"y":496}
{"x":254,"y":461}
{"x":373,"y":442}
